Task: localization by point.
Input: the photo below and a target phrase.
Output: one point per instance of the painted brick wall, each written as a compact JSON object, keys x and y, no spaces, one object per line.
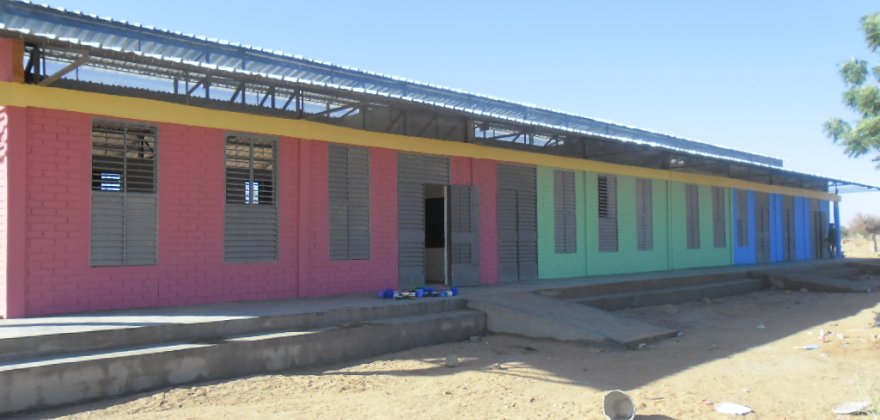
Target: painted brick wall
{"x":483,"y":174}
{"x":628,"y":258}
{"x":190,"y":267}
{"x":4,"y":137}
{"x":550,"y":264}
{"x":324,"y":276}
{"x":707,"y":255}
{"x":744,"y":254}
{"x":13,"y":241}
{"x":776,"y":229}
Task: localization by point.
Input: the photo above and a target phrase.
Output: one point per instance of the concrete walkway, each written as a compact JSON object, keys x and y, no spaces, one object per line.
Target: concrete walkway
{"x":138,"y":318}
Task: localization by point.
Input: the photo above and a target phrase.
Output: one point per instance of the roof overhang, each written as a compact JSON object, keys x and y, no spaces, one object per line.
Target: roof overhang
{"x":72,"y":40}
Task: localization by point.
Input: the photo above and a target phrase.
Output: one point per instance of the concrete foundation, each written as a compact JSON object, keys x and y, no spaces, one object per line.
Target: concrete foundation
{"x":76,"y":378}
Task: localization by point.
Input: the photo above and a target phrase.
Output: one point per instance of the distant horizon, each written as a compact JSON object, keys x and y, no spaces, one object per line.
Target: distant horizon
{"x":684,"y":69}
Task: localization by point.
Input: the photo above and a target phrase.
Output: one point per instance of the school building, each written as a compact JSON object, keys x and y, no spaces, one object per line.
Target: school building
{"x":141,"y":168}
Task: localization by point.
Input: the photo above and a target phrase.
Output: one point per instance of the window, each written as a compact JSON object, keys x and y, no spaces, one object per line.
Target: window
{"x":719,"y":217}
{"x":124,"y":212}
{"x":742,"y":218}
{"x":607,"y":195}
{"x":565,"y":214}
{"x":644,"y":214}
{"x":251,"y":231}
{"x":349,"y":185}
{"x":692,"y":215}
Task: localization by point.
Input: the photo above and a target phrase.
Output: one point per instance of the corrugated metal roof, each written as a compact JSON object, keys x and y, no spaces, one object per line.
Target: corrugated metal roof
{"x":118,"y":35}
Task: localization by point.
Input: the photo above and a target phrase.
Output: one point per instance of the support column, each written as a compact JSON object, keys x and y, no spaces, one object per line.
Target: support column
{"x":11,"y":60}
{"x":837,"y":231}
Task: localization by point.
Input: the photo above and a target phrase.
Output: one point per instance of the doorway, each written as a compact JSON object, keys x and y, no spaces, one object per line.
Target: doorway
{"x":436,"y":234}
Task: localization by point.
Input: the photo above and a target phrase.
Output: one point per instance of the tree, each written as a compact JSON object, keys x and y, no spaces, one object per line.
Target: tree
{"x":863,"y":97}
{"x":867,"y":225}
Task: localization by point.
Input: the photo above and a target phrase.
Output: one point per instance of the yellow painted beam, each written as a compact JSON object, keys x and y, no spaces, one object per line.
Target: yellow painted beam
{"x":147,"y":110}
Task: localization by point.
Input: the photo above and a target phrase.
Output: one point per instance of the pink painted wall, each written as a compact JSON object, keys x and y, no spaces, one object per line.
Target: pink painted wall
{"x":380,"y":271}
{"x":13,"y":211}
{"x":4,"y":138}
{"x":482,"y":173}
{"x":190,"y":268}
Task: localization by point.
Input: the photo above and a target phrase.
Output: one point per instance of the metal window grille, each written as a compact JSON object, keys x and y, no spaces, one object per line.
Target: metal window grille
{"x":124,"y":204}
{"x":564,"y":212}
{"x":251,"y":231}
{"x":692,"y":214}
{"x":742,"y":218}
{"x":608,"y":228}
{"x":349,"y":194}
{"x":644,"y":214}
{"x":719,"y":217}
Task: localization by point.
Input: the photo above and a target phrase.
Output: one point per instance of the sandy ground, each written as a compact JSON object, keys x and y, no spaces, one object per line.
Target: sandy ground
{"x":857,"y":246}
{"x":740,"y":349}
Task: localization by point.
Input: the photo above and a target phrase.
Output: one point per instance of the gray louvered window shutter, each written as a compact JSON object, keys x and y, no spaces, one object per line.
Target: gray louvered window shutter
{"x":719,"y":217}
{"x":742,"y":218}
{"x":464,"y":223}
{"x":692,"y":215}
{"x":788,"y":252}
{"x":565,"y":215}
{"x":124,"y":204}
{"x":762,"y":227}
{"x":608,"y":229}
{"x":349,"y":195}
{"x":644,"y":215}
{"x":251,"y":231}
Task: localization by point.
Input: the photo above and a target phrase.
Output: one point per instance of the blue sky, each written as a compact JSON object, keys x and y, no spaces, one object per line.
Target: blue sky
{"x":758,"y":76}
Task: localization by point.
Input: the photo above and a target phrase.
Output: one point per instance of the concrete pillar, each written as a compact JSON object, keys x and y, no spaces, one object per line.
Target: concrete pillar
{"x":11,"y":60}
{"x":837,"y":231}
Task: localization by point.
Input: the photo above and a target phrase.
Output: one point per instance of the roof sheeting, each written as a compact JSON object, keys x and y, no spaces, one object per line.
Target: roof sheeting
{"x":107,"y":33}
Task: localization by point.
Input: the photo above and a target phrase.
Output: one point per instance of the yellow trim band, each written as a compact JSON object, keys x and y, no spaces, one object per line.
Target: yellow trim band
{"x":22,"y":95}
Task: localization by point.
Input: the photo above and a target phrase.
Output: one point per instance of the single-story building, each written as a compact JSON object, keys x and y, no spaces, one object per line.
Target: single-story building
{"x":141,"y":167}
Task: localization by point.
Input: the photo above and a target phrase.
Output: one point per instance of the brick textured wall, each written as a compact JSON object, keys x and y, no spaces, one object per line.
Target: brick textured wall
{"x":323,"y":276}
{"x":4,"y":137}
{"x":190,"y":267}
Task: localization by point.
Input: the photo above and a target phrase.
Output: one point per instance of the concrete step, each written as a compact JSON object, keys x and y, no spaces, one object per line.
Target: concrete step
{"x":641,"y":285}
{"x":533,"y":315}
{"x":867,"y":266}
{"x":202,"y":326}
{"x":841,"y":272}
{"x":816,"y":283}
{"x":39,"y":383}
{"x":616,"y":301}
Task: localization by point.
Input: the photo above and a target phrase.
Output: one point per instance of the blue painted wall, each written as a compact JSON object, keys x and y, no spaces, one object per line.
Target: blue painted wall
{"x":776,"y":229}
{"x":802,"y":234}
{"x":744,"y":254}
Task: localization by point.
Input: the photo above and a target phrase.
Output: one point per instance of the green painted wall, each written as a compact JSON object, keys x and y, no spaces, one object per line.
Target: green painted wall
{"x":628,"y":259}
{"x":550,"y":264}
{"x":707,"y":255}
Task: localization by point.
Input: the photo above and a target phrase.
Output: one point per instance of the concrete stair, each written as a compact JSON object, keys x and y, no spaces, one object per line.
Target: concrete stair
{"x":840,"y":272}
{"x":178,"y":329}
{"x":52,"y":376}
{"x":660,"y":290}
{"x":533,"y":315}
{"x":671,"y":295}
{"x":796,"y":280}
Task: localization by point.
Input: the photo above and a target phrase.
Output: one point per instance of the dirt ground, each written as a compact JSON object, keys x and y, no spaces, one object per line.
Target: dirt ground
{"x":741,"y":349}
{"x":857,"y":246}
